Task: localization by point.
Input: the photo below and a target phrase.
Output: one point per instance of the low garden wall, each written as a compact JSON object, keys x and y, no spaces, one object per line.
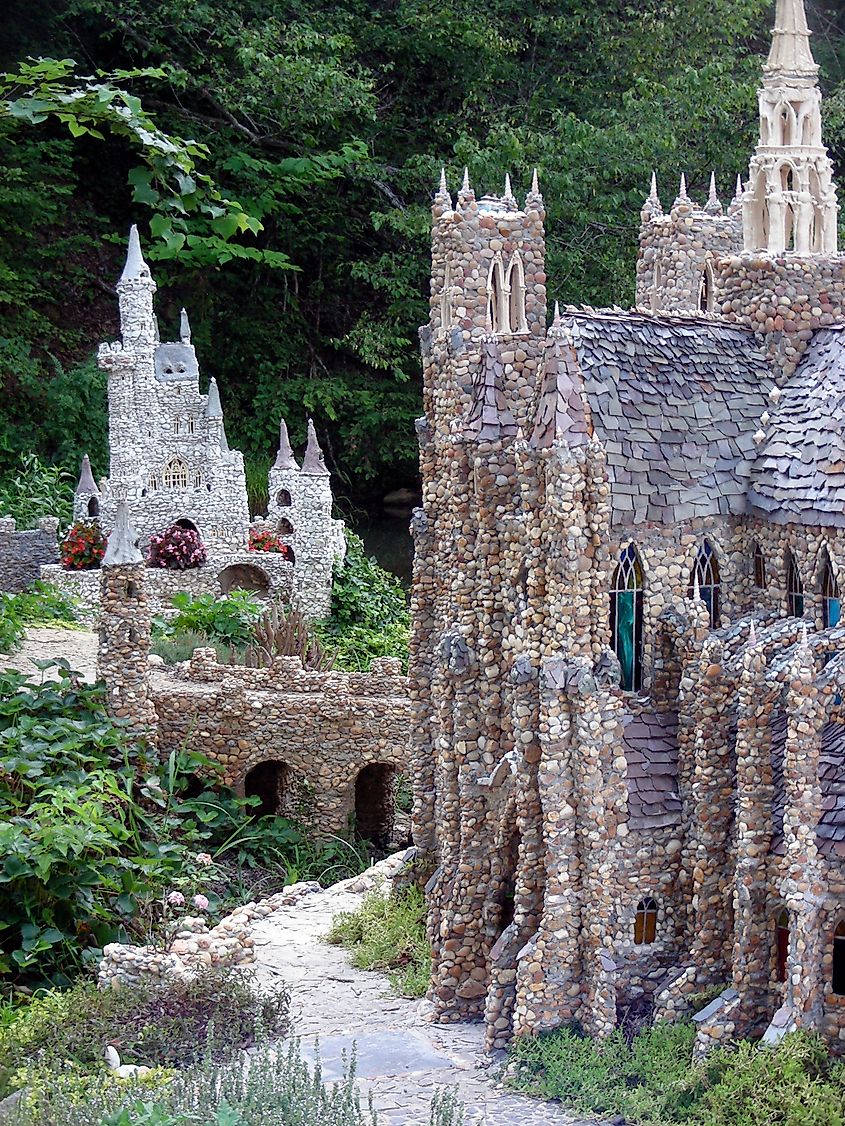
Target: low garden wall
{"x":22,"y":553}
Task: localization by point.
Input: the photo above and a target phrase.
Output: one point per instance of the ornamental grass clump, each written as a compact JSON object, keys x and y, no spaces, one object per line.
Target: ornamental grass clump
{"x":177,"y":548}
{"x":83,"y":547}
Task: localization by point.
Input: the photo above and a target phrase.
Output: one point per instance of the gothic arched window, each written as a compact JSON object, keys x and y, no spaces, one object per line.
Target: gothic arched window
{"x":838,"y":968}
{"x":794,"y":588}
{"x":516,"y":286}
{"x":445,"y":301}
{"x":495,"y":297}
{"x":626,"y":617}
{"x":706,"y":572}
{"x":175,"y":475}
{"x":759,"y":568}
{"x":645,"y":921}
{"x":781,"y":944}
{"x":831,"y":602}
{"x":706,"y":290}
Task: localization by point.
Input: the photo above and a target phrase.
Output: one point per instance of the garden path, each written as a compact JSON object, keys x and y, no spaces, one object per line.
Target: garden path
{"x":402,"y":1058}
{"x":78,"y":646}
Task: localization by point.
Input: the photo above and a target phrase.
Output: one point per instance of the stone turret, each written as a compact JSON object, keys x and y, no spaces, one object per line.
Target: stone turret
{"x":790,"y":202}
{"x":124,"y":644}
{"x":86,"y":499}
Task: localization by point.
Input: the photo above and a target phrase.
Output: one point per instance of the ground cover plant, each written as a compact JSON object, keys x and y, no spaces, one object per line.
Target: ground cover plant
{"x":652,"y":1081}
{"x":387,"y":933}
{"x":40,"y":604}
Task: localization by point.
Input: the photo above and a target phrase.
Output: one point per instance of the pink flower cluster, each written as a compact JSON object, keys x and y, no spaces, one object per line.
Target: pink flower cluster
{"x":177,"y":548}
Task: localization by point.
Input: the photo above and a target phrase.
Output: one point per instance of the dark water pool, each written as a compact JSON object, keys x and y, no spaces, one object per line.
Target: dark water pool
{"x":387,"y":538}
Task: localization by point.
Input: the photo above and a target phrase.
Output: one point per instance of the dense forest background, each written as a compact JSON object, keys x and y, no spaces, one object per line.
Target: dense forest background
{"x":328,"y":122}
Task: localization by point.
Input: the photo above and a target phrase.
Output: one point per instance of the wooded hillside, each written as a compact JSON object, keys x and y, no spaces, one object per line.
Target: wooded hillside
{"x":328,"y":122}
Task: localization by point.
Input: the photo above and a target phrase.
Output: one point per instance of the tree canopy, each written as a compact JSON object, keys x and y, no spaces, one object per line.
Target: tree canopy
{"x":290,"y":216}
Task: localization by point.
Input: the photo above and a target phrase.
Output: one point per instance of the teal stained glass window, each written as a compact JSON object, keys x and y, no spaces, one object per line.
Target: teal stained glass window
{"x":626,"y":617}
{"x":794,"y":588}
{"x":706,"y":571}
{"x":831,"y":602}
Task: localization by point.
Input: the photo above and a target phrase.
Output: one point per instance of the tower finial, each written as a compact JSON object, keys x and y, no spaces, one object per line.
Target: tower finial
{"x":121,"y":547}
{"x":184,"y":328}
{"x":653,"y":196}
{"x":713,"y":205}
{"x":443,"y":185}
{"x":466,"y":194}
{"x":790,"y":54}
{"x":86,"y":483}
{"x":508,"y":194}
{"x":535,"y":183}
{"x":213,"y":407}
{"x":135,"y":266}
{"x":284,"y":456}
{"x":313,"y":462}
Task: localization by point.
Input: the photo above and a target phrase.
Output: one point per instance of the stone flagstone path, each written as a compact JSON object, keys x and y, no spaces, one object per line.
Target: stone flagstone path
{"x":401,"y":1058}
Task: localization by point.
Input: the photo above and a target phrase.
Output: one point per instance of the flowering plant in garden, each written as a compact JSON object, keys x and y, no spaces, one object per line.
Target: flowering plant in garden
{"x":177,"y":548}
{"x":266,"y":541}
{"x":83,"y":547}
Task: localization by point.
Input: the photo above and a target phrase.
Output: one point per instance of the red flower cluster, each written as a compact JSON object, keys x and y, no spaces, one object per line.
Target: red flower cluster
{"x":177,"y":548}
{"x":266,"y":541}
{"x":83,"y":547}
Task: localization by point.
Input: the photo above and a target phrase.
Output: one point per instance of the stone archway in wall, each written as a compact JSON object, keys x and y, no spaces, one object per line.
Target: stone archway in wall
{"x":273,"y":783}
{"x":244,"y":576}
{"x":375,"y":789}
{"x":187,"y":524}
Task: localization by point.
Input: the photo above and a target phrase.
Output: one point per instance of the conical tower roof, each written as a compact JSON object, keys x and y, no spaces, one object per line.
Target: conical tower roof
{"x":86,"y":483}
{"x":790,"y":53}
{"x":121,"y":549}
{"x":284,"y":456}
{"x":489,"y":418}
{"x":313,"y":461}
{"x":135,"y":266}
{"x":213,"y":406}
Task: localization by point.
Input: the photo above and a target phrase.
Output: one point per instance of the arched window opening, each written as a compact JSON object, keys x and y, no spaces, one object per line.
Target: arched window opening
{"x":495,"y":293}
{"x":177,"y":425}
{"x":782,"y":944}
{"x":188,"y":525}
{"x":794,"y":588}
{"x":285,"y":527}
{"x":516,"y":285}
{"x":272,"y":783}
{"x":374,"y":803}
{"x":838,"y":968}
{"x":283,"y":498}
{"x":175,"y":475}
{"x":198,"y":480}
{"x":154,"y":482}
{"x":131,"y":589}
{"x":645,"y":922}
{"x":759,"y":567}
{"x":706,"y":290}
{"x":191,"y":424}
{"x":831,"y":602}
{"x":706,"y":572}
{"x":626,"y":617}
{"x":93,"y":506}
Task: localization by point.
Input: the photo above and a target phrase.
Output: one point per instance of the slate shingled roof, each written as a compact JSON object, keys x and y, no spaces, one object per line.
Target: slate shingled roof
{"x":651,"y":747}
{"x":799,"y":475}
{"x":676,"y":404}
{"x":830,"y":832}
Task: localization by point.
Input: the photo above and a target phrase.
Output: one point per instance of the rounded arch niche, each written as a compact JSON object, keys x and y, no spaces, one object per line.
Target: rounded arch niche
{"x":244,"y":576}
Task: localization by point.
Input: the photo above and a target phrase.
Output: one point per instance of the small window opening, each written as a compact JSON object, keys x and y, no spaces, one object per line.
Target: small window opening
{"x":838,"y":969}
{"x":782,"y":944}
{"x":626,"y":618}
{"x":131,"y":590}
{"x":794,"y":588}
{"x":285,"y":527}
{"x":759,"y":567}
{"x":516,"y":285}
{"x":706,"y":571}
{"x":445,"y":299}
{"x":645,"y":922}
{"x":283,"y":498}
{"x":495,"y":287}
{"x":831,"y":602}
{"x":93,"y":507}
{"x":706,"y":290}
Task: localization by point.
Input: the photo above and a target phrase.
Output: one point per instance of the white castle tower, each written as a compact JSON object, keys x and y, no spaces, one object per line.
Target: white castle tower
{"x":790,"y":201}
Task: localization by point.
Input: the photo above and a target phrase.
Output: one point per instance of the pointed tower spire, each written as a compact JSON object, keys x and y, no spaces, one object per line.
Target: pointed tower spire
{"x":752,"y":634}
{"x":791,"y":54}
{"x":466,"y":195}
{"x":284,"y":457}
{"x":442,"y":199}
{"x":86,"y":483}
{"x":682,"y":191}
{"x":135,"y":266}
{"x":653,"y":196}
{"x":508,"y":196}
{"x":443,"y":185}
{"x":213,"y":408}
{"x":562,"y":411}
{"x":556,"y":327}
{"x":534,"y":197}
{"x":313,"y":461}
{"x":121,"y":547}
{"x":713,"y":205}
{"x":652,"y":208}
{"x":489,"y":418}
{"x":184,"y":328}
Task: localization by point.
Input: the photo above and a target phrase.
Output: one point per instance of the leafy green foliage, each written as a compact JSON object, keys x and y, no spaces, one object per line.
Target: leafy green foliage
{"x":653,"y":1082}
{"x":228,"y":620}
{"x":369,"y":612}
{"x":35,"y":490}
{"x":388,"y":933}
{"x":176,"y":1025}
{"x":41,"y":603}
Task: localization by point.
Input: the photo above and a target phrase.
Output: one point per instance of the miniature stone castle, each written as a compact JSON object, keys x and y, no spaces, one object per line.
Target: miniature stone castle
{"x":170,"y":460}
{"x":627,"y":667}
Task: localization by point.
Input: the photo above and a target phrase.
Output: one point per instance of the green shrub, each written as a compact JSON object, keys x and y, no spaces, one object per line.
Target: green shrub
{"x":11,"y":623}
{"x":174,"y":1026}
{"x":39,"y":604}
{"x":388,"y":933}
{"x":34,"y":490}
{"x":228,"y":620}
{"x":653,"y":1081}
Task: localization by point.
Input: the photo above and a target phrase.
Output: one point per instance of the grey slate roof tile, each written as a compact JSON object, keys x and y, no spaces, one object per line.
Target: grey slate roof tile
{"x":651,"y":748}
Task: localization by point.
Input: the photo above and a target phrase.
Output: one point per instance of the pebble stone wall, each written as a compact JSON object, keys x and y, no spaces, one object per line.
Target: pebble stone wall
{"x":23,"y":552}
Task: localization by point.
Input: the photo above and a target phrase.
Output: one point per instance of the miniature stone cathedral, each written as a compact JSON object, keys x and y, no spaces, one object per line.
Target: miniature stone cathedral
{"x":627,"y":667}
{"x":170,"y":461}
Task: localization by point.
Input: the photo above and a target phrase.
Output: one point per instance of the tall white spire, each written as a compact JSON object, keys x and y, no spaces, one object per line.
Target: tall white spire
{"x":791,"y":54}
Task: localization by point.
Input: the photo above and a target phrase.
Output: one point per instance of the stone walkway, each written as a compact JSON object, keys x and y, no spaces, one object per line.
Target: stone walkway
{"x":78,"y":646}
{"x":401,"y":1057}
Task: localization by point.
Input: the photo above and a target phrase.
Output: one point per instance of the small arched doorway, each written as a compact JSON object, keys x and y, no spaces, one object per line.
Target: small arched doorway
{"x":374,"y":802}
{"x":271,"y":782}
{"x":93,"y":508}
{"x":285,"y":528}
{"x":187,"y":524}
{"x":283,"y":498}
{"x":244,"y":576}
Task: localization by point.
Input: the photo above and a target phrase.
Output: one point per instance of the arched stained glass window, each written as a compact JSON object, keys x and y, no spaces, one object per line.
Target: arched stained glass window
{"x":794,"y":588}
{"x":626,"y":617}
{"x":831,"y":602}
{"x":782,"y":944}
{"x":838,"y":969}
{"x":706,"y":572}
{"x":759,"y":568}
{"x":175,"y":475}
{"x":645,"y":921}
